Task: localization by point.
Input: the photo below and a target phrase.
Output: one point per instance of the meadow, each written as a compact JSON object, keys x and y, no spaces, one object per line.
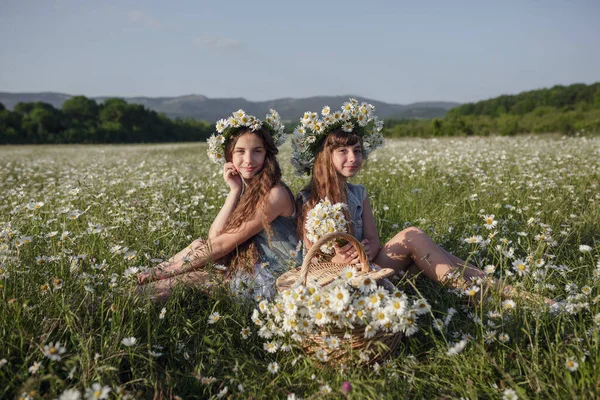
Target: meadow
{"x":78,"y":222}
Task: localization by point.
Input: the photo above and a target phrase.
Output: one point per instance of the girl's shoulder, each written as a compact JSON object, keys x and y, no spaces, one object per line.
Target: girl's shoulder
{"x":357,"y":191}
{"x":279,"y":195}
{"x":279,"y":191}
{"x":281,"y":199}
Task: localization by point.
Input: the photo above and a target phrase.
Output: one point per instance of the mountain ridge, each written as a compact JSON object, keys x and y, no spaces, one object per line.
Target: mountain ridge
{"x":200,"y":107}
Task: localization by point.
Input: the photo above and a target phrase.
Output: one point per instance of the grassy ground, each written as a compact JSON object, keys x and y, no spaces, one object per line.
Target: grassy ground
{"x":77,"y":222}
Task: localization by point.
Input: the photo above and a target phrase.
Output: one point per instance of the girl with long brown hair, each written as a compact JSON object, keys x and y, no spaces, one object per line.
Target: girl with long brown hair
{"x":254,"y":233}
{"x":332,"y":149}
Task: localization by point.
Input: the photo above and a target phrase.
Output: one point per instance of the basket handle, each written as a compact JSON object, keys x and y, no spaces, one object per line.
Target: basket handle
{"x":362,"y":256}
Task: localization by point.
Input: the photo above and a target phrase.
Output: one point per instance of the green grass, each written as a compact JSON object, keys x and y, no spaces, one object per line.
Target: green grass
{"x":154,"y":199}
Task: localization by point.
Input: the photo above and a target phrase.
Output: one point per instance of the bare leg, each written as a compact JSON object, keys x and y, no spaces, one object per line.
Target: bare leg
{"x":413,"y":246}
{"x":183,"y":253}
{"x":161,"y":290}
{"x":506,"y":291}
{"x":413,"y":251}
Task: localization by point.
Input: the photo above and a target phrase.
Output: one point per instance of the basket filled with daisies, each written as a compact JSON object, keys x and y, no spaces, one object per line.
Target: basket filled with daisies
{"x":349,"y":316}
{"x":326,"y":226}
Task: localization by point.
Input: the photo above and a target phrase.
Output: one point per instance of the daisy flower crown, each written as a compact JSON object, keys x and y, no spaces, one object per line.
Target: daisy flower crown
{"x":239,"y":120}
{"x":352,"y":117}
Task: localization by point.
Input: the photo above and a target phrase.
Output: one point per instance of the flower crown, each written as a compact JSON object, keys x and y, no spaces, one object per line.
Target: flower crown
{"x":226,"y":128}
{"x":353,"y":117}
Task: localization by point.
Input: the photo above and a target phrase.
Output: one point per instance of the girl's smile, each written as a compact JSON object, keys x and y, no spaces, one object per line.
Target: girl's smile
{"x":347,"y":160}
{"x":249,"y":155}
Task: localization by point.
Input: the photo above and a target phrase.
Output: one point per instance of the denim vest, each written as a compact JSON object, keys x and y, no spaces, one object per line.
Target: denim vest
{"x":356,"y":194}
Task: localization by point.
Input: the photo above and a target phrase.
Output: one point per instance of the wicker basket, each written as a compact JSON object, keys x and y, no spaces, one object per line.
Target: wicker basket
{"x":324,"y":274}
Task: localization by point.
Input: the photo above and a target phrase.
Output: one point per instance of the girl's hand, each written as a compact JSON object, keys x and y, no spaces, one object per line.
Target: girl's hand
{"x":345,"y":254}
{"x":232,"y":177}
{"x":154,"y":274}
{"x":367,"y":248}
{"x":144,"y":277}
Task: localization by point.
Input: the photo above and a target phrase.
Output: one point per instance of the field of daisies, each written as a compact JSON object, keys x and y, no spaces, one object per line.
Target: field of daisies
{"x":78,"y":222}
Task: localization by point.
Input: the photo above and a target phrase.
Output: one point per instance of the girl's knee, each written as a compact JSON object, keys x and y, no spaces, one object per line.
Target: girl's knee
{"x":412,"y":230}
{"x":409,"y":233}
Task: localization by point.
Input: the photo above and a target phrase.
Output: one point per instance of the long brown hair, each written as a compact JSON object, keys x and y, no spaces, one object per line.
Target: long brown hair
{"x":325,"y":181}
{"x":253,"y":198}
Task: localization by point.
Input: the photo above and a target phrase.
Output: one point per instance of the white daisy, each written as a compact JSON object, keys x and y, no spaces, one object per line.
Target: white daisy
{"x":214,"y":317}
{"x":367,"y":285}
{"x":474,"y":239}
{"x":54,"y":351}
{"x":34,"y":368}
{"x":489,"y":269}
{"x":421,"y":306}
{"x":520,"y":267}
{"x":489,"y":221}
{"x":571,"y":364}
{"x":509,"y":394}
{"x":271,"y":347}
{"x":325,"y":389}
{"x":97,"y":392}
{"x":70,"y":394}
{"x":273,"y":367}
{"x":348,"y":127}
{"x":503,"y":337}
{"x":438,"y":324}
{"x":456,"y":348}
{"x":245,"y":333}
{"x":129,"y":341}
{"x":509,"y":304}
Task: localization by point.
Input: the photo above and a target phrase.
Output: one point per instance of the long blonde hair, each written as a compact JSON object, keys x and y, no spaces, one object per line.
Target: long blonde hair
{"x":325,"y":181}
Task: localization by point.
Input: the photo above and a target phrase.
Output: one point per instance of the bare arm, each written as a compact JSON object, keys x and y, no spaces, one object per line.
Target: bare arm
{"x":279,"y":203}
{"x":347,"y":254}
{"x":221,"y":220}
{"x":234,"y":181}
{"x":370,"y":234}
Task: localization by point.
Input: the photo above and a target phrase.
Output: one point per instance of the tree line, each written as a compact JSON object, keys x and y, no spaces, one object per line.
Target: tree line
{"x":83,"y":120}
{"x":562,"y":109}
{"x":561,"y":98}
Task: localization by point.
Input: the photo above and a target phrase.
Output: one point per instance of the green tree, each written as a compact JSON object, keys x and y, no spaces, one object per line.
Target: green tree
{"x":40,"y":121}
{"x":81,"y":119}
{"x":436,"y":127}
{"x":10,"y":127}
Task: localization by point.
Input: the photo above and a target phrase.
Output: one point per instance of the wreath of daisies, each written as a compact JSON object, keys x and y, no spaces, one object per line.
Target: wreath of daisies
{"x":240,"y":120}
{"x":352,"y":117}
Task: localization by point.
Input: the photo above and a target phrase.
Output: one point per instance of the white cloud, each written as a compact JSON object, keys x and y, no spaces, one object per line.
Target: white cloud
{"x":141,"y":18}
{"x":211,"y":42}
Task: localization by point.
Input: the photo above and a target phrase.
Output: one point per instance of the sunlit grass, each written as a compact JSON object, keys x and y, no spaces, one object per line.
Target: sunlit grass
{"x":77,"y":222}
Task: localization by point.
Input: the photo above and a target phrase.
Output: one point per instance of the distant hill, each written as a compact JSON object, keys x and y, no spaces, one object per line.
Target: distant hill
{"x":203,"y":108}
{"x":559,"y":97}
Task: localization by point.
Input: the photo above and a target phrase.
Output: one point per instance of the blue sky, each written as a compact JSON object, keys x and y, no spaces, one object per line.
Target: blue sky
{"x":394,"y":51}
